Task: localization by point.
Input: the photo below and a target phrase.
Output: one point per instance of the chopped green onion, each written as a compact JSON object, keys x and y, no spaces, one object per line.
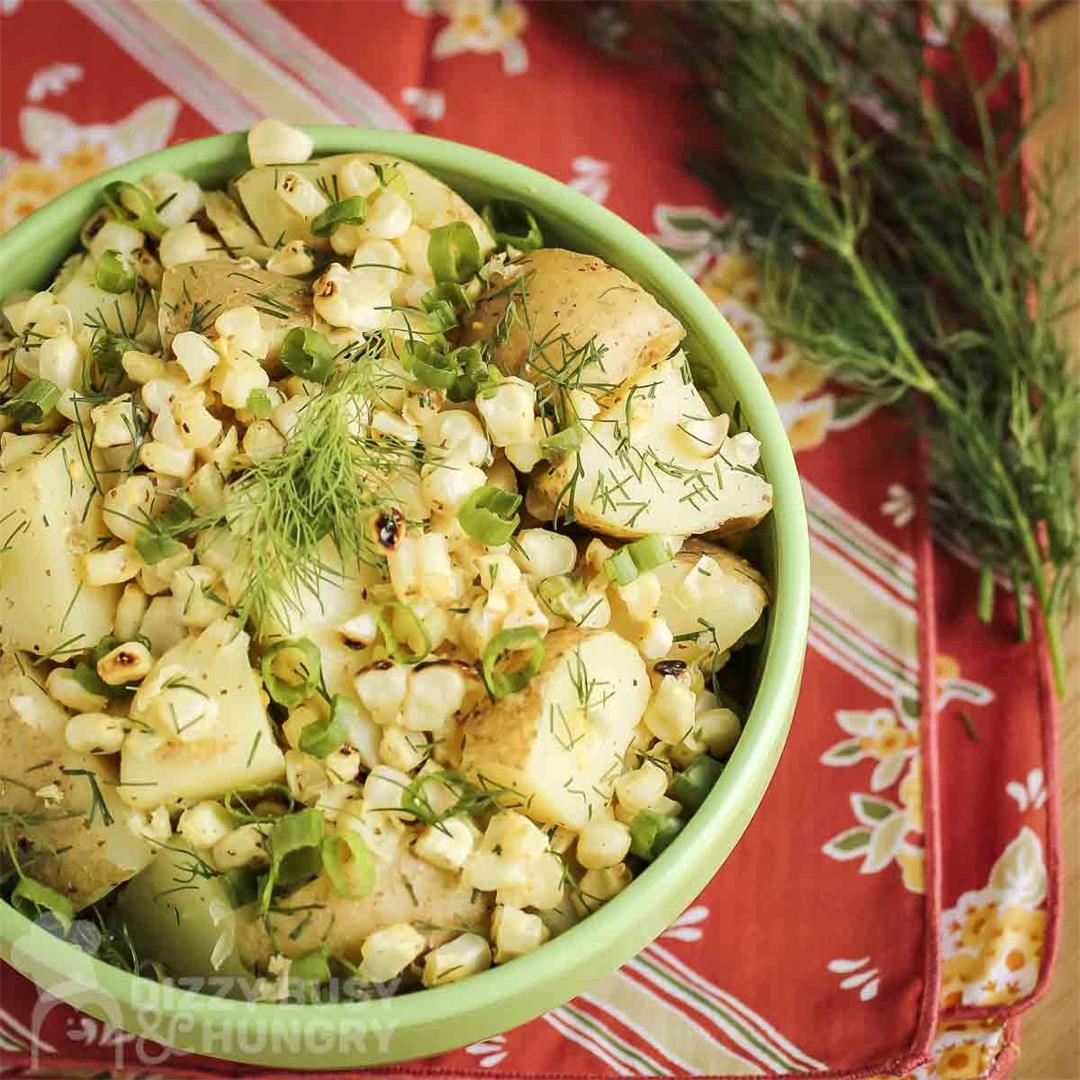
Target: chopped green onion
{"x":474,"y":374}
{"x":241,"y":802}
{"x":310,"y":970}
{"x":453,"y":252}
{"x":157,"y":540}
{"x":131,"y":205}
{"x":112,"y":275}
{"x":258,"y":404}
{"x":354,"y":879}
{"x":295,"y":844}
{"x":108,"y":351}
{"x":651,"y":832}
{"x":692,"y":786}
{"x":449,"y":292}
{"x":562,"y":595}
{"x":87,"y":677}
{"x":563,"y":442}
{"x":325,"y":736}
{"x":489,"y":515}
{"x":633,"y":560}
{"x":441,"y":317}
{"x":429,"y":367}
{"x":390,"y":176}
{"x":241,"y":886}
{"x":291,"y":670}
{"x":307,"y":353}
{"x":351,"y":211}
{"x":513,"y":224}
{"x":29,"y":891}
{"x":33,"y":402}
{"x":499,"y":683}
{"x":396,"y":648}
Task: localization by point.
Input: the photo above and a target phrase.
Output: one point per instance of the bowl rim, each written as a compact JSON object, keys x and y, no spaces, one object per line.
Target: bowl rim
{"x":626,"y":923}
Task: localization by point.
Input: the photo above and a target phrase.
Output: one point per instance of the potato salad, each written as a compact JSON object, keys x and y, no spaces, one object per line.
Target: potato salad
{"x":369,"y":595}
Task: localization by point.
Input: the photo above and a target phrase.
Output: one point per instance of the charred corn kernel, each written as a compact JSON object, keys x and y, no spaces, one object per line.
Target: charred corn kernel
{"x":602,"y":843}
{"x":463,"y":956}
{"x":460,"y":435}
{"x":110,"y":566}
{"x":389,"y":215}
{"x":95,"y":733}
{"x":515,"y":932}
{"x":195,"y":355}
{"x":387,"y":952}
{"x":142,"y":367}
{"x":655,"y":639}
{"x":301,"y":195}
{"x":184,"y":244}
{"x":199,"y":603}
{"x":305,"y":777}
{"x":236,"y":378}
{"x":205,"y":824}
{"x":147,"y":267}
{"x":386,"y":424}
{"x":240,"y":331}
{"x":511,"y":843}
{"x":420,"y":568}
{"x":129,"y":612}
{"x":262,"y":440}
{"x":509,"y":411}
{"x":342,"y":765}
{"x":434,"y":693}
{"x":670,"y":712}
{"x":157,"y":577}
{"x":245,"y":846}
{"x":357,"y":177}
{"x":178,"y":199}
{"x":294,"y":260}
{"x":401,"y":749}
{"x":127,"y":663}
{"x":114,"y":422}
{"x":543,"y":888}
{"x":197,"y":426}
{"x":640,"y":788}
{"x":116,"y":236}
{"x":159,"y":457}
{"x":59,"y":361}
{"x":596,"y":887}
{"x":641,"y":597}
{"x":448,"y":844}
{"x":362,"y":628}
{"x":381,"y":690}
{"x":384,"y":789}
{"x":352,"y":300}
{"x":63,"y":687}
{"x":445,"y":485}
{"x":127,"y":507}
{"x":720,"y":730}
{"x":271,"y":142}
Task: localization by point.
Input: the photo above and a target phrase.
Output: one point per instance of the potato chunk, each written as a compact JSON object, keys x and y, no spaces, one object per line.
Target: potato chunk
{"x":655,"y":461}
{"x":64,"y":806}
{"x":559,"y":742}
{"x":574,"y":318}
{"x":239,"y":749}
{"x":48,"y":513}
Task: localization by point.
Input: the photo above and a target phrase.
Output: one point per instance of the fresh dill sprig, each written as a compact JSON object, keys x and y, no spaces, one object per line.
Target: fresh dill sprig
{"x":911,"y":260}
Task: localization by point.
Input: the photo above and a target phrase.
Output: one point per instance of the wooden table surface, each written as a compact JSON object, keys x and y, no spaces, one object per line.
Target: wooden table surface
{"x":1050,"y":1036}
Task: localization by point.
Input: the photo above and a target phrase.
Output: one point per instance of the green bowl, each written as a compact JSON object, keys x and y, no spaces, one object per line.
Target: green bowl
{"x":352,"y":1034}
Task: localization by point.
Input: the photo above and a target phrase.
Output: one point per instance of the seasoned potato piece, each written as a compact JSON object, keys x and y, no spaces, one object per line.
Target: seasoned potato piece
{"x":559,"y":742}
{"x":179,"y":917}
{"x":563,"y":301}
{"x":48,"y":513}
{"x":131,"y":313}
{"x":433,"y":202}
{"x":72,"y":824}
{"x":407,"y":890}
{"x":193,"y":295}
{"x":655,"y":462}
{"x":237,"y":751}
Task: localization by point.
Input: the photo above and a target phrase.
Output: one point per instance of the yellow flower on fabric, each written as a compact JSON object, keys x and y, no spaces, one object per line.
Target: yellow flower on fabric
{"x":28,"y":185}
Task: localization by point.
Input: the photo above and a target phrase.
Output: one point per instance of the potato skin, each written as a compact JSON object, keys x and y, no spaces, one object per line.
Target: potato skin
{"x":573,"y":298}
{"x":441,"y":900}
{"x":217,"y":285}
{"x":80,"y":855}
